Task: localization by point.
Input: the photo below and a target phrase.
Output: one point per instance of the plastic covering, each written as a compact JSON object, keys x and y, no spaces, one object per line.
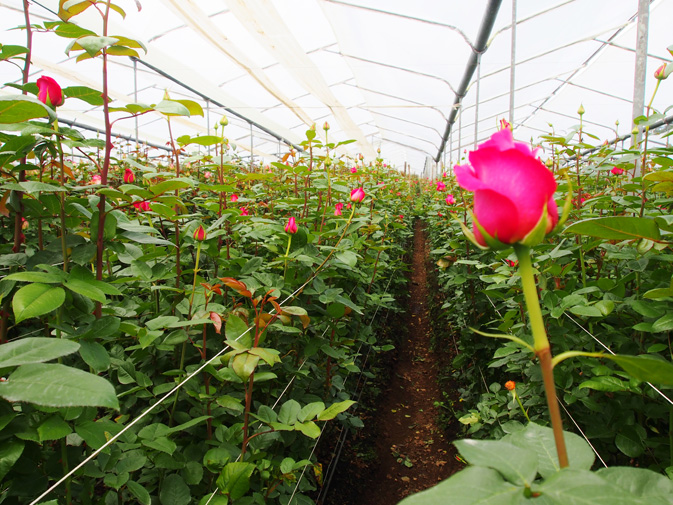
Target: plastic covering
{"x":382,"y":72}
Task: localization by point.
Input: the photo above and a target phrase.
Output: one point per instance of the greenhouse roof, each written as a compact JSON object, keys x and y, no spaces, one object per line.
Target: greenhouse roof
{"x":384,"y":73}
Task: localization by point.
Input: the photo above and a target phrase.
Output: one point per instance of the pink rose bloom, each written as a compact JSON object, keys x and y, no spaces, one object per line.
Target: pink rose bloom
{"x":96,"y":179}
{"x":511,"y":188}
{"x":244,"y":211}
{"x":441,"y":186}
{"x":357,"y":195}
{"x":450,"y":200}
{"x":49,"y":92}
{"x":337,"y":209}
{"x":207,"y":175}
{"x":354,"y":170}
{"x":617,"y":171}
{"x":291,"y":226}
{"x":234,"y":198}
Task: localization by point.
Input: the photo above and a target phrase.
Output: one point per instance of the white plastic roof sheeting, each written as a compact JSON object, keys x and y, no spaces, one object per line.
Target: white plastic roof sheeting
{"x":382,"y":72}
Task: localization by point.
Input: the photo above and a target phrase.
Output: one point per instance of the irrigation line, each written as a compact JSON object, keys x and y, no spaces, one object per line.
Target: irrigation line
{"x":580,"y":430}
{"x":610,"y":351}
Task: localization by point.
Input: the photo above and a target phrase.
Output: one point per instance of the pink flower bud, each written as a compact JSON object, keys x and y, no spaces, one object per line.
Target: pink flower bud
{"x":49,"y":92}
{"x":143,"y":206}
{"x":207,"y":175}
{"x":129,"y":176}
{"x":96,"y":179}
{"x":661,"y":72}
{"x":357,"y":195}
{"x":337,"y":209}
{"x":234,"y":198}
{"x":291,"y":226}
{"x":504,"y":124}
{"x":450,"y":200}
{"x":244,"y":211}
{"x":441,"y":186}
{"x":617,"y":171}
{"x":354,"y":170}
{"x":200,"y":234}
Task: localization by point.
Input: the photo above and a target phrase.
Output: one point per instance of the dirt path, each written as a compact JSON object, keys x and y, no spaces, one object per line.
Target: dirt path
{"x":412,"y":451}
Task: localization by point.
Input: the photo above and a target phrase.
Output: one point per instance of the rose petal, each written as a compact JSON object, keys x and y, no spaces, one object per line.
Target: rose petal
{"x":497,"y":214}
{"x":466,"y":178}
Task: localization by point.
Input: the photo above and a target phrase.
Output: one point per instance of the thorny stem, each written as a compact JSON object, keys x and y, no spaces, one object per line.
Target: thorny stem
{"x":541,"y":345}
{"x":106,"y":163}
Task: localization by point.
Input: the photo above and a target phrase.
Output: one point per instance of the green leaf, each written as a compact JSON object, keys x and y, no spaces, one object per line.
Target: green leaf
{"x":171,"y":108}
{"x":617,"y":228}
{"x":581,"y":487}
{"x":654,"y":487}
{"x":629,"y":442}
{"x":34,"y":276}
{"x":139,"y":492}
{"x":292,"y":310}
{"x":664,"y":323}
{"x":97,"y":433}
{"x":540,"y":439}
{"x":55,"y":385}
{"x":202,"y":140}
{"x":188,"y":424}
{"x":347,"y":257}
{"x":92,"y":44}
{"x":36,"y":300}
{"x":84,"y":93}
{"x":310,"y":411}
{"x":646,"y":368}
{"x":162,"y":444}
{"x":244,"y":365}
{"x":474,"y":485}
{"x":10,"y":452}
{"x":53,"y":428}
{"x":95,"y":355}
{"x":333,"y":410}
{"x":517,"y":465}
{"x":34,"y":350}
{"x":9,"y":51}
{"x":235,"y":479}
{"x":237,"y":331}
{"x":310,"y":429}
{"x":19,"y":108}
{"x":605,"y":383}
{"x":171,"y":185}
{"x":586,"y":311}
{"x":289,"y":412}
{"x":85,"y":288}
{"x":174,"y":491}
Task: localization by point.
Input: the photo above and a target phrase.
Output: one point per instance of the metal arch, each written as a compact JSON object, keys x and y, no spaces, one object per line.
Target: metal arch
{"x":412,"y":18}
{"x":394,"y":67}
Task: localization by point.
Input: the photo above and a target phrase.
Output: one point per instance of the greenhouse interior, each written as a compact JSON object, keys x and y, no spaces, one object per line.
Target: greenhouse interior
{"x":334,"y":252}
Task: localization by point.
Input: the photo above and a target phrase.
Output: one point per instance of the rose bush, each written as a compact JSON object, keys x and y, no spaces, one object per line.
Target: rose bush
{"x":513,"y":189}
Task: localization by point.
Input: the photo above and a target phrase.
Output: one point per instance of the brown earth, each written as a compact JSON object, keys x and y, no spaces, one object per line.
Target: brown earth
{"x":408,"y":449}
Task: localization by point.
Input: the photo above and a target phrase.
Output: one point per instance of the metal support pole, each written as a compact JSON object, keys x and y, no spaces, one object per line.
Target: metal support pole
{"x":512,"y":66}
{"x":460,"y":134}
{"x":640,"y":71}
{"x":479,"y":47}
{"x":207,"y":119}
{"x":476,"y":104}
{"x":252,"y":139}
{"x":135,"y":93}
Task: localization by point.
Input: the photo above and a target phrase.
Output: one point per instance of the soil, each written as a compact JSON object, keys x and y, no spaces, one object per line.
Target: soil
{"x":403,"y":448}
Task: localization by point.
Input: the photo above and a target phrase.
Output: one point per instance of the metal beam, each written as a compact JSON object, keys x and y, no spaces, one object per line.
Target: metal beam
{"x":480,"y":46}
